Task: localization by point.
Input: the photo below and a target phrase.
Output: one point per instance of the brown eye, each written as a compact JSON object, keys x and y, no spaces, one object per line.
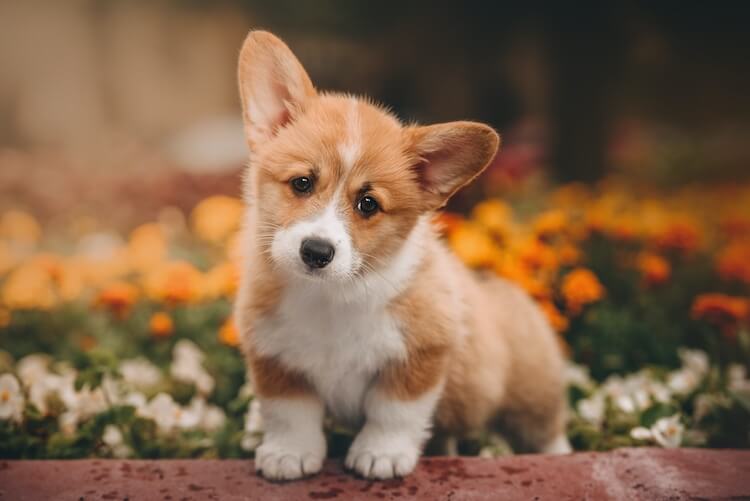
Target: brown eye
{"x":302,"y":184}
{"x":367,"y":206}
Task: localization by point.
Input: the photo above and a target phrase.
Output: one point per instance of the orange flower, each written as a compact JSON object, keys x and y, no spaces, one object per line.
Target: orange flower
{"x":550,"y":223}
{"x":654,"y":268}
{"x":5,"y":317}
{"x":473,"y":245}
{"x":29,"y":286}
{"x":735,"y":226}
{"x":118,"y":297}
{"x":569,"y":254}
{"x":733,"y":262}
{"x":228,"y":333}
{"x":20,"y":227}
{"x":216,"y":218}
{"x":495,"y":215}
{"x":176,"y":282}
{"x":537,"y":255}
{"x":720,"y":309}
{"x":558,"y":321}
{"x":683,"y":236}
{"x":579,"y":288}
{"x":221,"y":280}
{"x":161,"y":324}
{"x":147,"y":246}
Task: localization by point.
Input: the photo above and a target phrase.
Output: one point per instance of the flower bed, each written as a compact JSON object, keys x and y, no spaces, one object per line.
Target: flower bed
{"x":124,"y":347}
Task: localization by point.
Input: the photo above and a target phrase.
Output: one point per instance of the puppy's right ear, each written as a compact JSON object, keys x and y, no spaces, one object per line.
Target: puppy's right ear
{"x":274,"y":87}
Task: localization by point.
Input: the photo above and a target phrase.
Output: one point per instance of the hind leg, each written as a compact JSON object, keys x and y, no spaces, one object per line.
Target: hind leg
{"x":537,"y":429}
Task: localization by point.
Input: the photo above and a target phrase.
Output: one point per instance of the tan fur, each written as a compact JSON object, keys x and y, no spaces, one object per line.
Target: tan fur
{"x":482,"y":338}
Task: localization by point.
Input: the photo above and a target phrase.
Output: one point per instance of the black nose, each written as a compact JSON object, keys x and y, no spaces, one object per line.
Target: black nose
{"x":316,"y":253}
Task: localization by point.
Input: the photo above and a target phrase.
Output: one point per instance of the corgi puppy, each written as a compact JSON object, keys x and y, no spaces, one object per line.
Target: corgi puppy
{"x":349,"y":304}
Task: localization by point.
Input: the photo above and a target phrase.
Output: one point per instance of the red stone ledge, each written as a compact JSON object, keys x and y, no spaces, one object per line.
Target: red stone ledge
{"x":630,"y":474}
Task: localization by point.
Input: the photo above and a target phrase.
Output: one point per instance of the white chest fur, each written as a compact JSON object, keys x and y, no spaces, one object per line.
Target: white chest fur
{"x":338,"y":346}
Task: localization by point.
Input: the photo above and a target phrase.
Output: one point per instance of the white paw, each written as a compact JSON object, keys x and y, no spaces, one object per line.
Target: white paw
{"x":282,"y":462}
{"x":382,"y":457}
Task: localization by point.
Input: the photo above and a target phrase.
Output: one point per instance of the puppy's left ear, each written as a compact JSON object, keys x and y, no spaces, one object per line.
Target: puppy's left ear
{"x":274,"y":87}
{"x":450,"y":155}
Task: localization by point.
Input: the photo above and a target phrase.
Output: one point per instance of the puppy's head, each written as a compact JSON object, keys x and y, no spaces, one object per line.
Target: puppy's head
{"x":338,"y":182}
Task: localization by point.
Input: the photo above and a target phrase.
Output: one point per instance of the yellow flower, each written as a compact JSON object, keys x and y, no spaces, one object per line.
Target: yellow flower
{"x":7,"y":258}
{"x":161,"y":325}
{"x":473,"y":245}
{"x":228,"y":333}
{"x":174,"y":282}
{"x":579,"y":288}
{"x":654,"y":268}
{"x":447,"y":222}
{"x":147,"y":247}
{"x":216,"y":218}
{"x":30,"y":286}
{"x":20,"y":227}
{"x":118,"y":297}
{"x":495,"y":215}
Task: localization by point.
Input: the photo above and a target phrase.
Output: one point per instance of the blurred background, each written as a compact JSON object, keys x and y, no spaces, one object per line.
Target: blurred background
{"x":620,"y":203}
{"x":102,"y":101}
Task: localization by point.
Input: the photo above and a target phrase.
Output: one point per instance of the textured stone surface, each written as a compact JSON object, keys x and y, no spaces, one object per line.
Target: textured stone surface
{"x":625,"y":474}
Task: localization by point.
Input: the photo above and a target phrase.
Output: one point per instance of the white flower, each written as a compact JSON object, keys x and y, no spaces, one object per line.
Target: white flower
{"x":683,"y":381}
{"x":626,"y":404}
{"x":163,"y":410}
{"x":694,"y":360}
{"x":32,"y":368}
{"x":135,"y":399}
{"x":578,"y":375}
{"x":112,"y":438}
{"x":737,"y":379}
{"x":668,"y":432}
{"x":68,"y":422}
{"x":592,"y":408}
{"x":187,"y":366}
{"x":43,"y":387}
{"x":11,"y":398}
{"x":213,"y":418}
{"x":641,"y":433}
{"x":140,"y":373}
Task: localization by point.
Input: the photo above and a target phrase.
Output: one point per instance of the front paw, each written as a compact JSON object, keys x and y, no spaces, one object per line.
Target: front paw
{"x":284,"y":462}
{"x":382,"y":457}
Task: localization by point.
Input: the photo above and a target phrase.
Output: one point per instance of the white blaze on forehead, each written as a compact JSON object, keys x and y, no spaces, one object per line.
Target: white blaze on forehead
{"x":349,"y":148}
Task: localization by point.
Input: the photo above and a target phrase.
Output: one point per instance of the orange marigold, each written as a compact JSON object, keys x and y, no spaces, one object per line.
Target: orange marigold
{"x":161,"y":325}
{"x":118,"y":297}
{"x":733,"y":262}
{"x":579,"y":288}
{"x":473,"y":245}
{"x":683,"y":236}
{"x":228,"y":333}
{"x":654,"y":268}
{"x":216,"y":218}
{"x":495,"y":215}
{"x":720,"y":309}
{"x":552,"y":222}
{"x":175,"y":282}
{"x":537,"y":255}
